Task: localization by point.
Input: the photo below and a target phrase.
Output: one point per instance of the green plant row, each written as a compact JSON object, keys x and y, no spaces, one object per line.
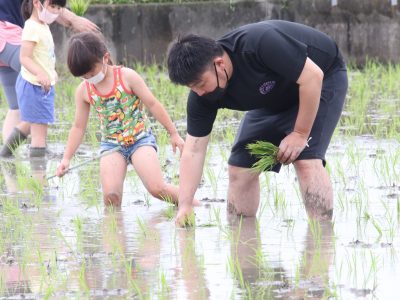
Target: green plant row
{"x":148,"y":1}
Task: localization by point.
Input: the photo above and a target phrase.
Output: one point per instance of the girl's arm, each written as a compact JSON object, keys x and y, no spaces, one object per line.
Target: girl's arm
{"x":68,"y":19}
{"x":26,"y":58}
{"x":139,"y":87}
{"x":78,"y":129}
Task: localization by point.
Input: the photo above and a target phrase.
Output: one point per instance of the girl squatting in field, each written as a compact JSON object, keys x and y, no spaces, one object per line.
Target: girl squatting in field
{"x":117,"y":94}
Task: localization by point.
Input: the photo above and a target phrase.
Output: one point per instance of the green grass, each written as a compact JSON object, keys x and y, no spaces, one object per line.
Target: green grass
{"x":79,"y":7}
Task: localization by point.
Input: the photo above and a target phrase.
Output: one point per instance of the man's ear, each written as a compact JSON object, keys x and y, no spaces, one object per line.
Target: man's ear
{"x":219,"y":61}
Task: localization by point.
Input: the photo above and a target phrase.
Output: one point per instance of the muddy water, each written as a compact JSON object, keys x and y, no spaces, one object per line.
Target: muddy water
{"x":61,"y":243}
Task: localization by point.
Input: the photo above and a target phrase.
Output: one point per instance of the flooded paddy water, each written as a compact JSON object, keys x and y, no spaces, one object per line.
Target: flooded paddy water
{"x":57,"y":240}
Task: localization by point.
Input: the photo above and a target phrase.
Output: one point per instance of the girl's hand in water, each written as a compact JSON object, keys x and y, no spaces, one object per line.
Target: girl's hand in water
{"x":177,"y":141}
{"x":62,"y":168}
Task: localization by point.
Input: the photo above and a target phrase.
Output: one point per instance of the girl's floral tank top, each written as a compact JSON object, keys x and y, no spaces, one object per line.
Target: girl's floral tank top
{"x":122,"y":118}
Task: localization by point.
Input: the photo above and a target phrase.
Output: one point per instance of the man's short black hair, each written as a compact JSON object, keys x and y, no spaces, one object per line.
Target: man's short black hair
{"x":190,"y":56}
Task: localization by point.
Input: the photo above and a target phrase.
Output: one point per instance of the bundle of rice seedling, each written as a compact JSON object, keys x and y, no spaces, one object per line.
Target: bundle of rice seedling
{"x":266,"y":153}
{"x":79,"y":7}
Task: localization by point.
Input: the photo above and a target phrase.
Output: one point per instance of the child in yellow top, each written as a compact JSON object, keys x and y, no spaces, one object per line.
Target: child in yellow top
{"x":35,"y":83}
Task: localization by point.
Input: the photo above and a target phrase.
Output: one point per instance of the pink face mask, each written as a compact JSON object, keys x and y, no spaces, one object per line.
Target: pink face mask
{"x":99,"y":76}
{"x":47,"y":16}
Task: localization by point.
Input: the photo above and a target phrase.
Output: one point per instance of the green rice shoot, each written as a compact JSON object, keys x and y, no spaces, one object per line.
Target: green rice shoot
{"x":79,"y":7}
{"x":266,"y":153}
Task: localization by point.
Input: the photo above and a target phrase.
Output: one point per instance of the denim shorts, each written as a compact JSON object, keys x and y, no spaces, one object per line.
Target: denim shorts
{"x":127,"y":151}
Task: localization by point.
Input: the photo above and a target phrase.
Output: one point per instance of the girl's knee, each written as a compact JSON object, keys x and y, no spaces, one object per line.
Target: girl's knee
{"x":112,"y":199}
{"x":157,"y":190}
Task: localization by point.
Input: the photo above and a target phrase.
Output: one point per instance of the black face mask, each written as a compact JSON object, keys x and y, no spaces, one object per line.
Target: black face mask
{"x":219,"y":92}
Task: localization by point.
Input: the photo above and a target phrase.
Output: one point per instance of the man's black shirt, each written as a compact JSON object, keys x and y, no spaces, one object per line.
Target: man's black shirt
{"x":267,"y":59}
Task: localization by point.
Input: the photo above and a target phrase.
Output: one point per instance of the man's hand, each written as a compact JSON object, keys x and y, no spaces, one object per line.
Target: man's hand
{"x":82,"y":24}
{"x":185,"y":216}
{"x":77,"y":23}
{"x":291,"y":147}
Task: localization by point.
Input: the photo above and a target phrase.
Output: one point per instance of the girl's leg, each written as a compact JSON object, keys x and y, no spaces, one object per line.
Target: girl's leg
{"x":147,"y":166}
{"x":38,"y":135}
{"x":112,"y":176}
{"x":38,"y":142}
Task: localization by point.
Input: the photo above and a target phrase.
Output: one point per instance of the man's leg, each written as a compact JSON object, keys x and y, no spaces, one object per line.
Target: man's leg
{"x":243,"y":191}
{"x":315,"y":187}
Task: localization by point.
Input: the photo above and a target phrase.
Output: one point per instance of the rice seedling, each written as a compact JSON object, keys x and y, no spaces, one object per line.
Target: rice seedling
{"x":266,"y":154}
{"x":82,"y":278}
{"x":142,"y":226}
{"x":79,"y":7}
{"x":169,"y":212}
{"x":164,"y":289}
{"x":316,"y":231}
{"x":398,"y":210}
{"x":263,"y":206}
{"x":147,"y":201}
{"x":79,"y":232}
{"x":280,"y":203}
{"x":213,"y":179}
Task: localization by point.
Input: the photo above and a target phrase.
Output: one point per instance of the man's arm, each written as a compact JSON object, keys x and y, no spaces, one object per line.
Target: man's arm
{"x":68,"y":19}
{"x":190,"y":171}
{"x":310,"y":86}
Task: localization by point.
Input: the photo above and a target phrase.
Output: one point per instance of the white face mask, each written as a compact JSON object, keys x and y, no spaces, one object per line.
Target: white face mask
{"x":47,"y":16}
{"x":98,"y":77}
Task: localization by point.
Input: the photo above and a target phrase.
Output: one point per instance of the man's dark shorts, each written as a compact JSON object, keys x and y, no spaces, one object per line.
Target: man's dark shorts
{"x":260,"y":124}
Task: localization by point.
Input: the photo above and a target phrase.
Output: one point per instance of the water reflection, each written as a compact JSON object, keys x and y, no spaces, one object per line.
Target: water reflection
{"x":192,"y":267}
{"x":316,"y":260}
{"x":9,"y":172}
{"x":118,"y":264}
{"x":258,"y":279}
{"x":248,"y":265}
{"x":38,"y":170}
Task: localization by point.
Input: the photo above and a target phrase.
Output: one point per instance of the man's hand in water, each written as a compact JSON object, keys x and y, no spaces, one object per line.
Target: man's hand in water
{"x":185,"y":216}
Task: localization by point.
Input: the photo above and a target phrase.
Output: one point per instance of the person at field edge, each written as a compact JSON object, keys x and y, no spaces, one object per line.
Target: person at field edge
{"x":292,"y":81}
{"x":118,"y":95}
{"x":11,"y":24}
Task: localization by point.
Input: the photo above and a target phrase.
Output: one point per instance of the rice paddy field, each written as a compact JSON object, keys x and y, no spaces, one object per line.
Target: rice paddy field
{"x":57,"y":241}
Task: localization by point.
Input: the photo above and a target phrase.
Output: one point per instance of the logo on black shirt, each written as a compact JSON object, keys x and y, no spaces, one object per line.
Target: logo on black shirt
{"x":266,"y":87}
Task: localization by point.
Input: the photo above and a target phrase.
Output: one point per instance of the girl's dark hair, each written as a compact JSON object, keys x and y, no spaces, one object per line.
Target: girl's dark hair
{"x":27,"y":6}
{"x":84,"y":51}
{"x":190,"y":56}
